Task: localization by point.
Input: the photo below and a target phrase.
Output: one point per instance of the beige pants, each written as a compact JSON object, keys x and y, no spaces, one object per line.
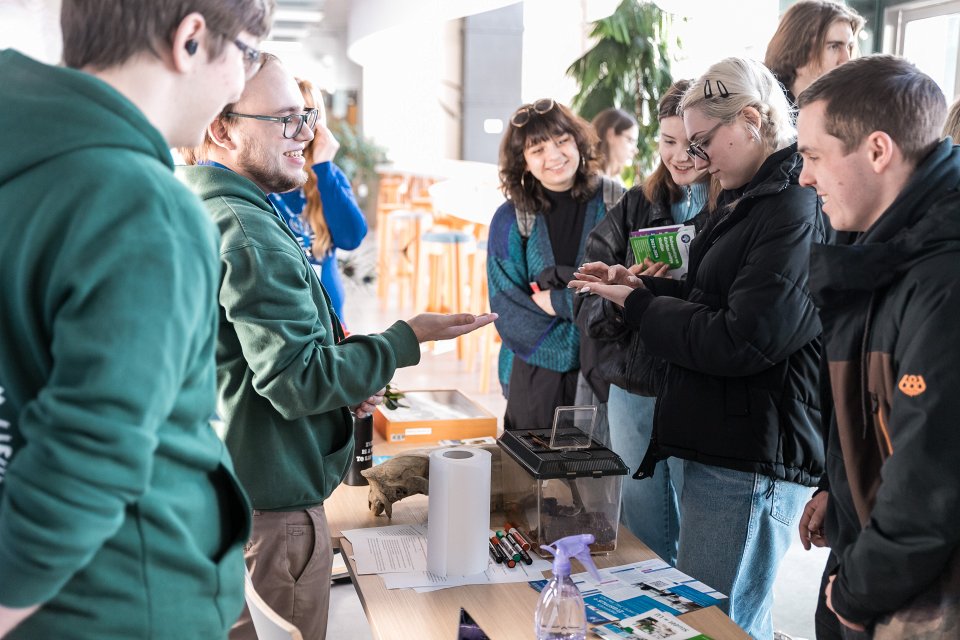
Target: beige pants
{"x":290,"y":557}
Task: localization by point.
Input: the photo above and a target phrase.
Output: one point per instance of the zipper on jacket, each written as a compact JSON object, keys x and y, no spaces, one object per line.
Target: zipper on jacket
{"x":649,"y":463}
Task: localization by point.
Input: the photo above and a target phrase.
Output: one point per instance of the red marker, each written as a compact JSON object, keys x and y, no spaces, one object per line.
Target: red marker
{"x":519,"y":539}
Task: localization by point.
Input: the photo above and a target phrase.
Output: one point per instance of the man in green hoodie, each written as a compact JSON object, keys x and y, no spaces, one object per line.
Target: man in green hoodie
{"x":287,"y":378}
{"x":120,"y":516}
{"x":869,"y":134}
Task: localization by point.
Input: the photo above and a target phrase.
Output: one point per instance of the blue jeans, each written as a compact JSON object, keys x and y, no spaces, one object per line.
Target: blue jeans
{"x":737,"y":526}
{"x":650,"y":508}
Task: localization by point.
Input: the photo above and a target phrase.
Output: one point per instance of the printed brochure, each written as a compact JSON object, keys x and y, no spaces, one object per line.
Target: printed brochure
{"x":670,"y":245}
{"x":632,"y":589}
{"x":652,"y":625}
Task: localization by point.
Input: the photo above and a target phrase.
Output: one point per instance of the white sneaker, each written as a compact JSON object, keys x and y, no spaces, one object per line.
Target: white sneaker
{"x":780,"y":635}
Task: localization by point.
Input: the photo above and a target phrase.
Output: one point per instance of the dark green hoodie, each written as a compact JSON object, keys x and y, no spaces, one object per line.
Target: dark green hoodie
{"x":285,"y":374}
{"x":119,"y":511}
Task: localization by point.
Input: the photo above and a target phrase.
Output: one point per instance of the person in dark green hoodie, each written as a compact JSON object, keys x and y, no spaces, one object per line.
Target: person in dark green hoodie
{"x":120,"y":516}
{"x":869,"y":134}
{"x":287,"y":378}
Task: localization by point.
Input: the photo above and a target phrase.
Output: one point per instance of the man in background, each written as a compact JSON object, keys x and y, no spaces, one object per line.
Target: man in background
{"x":288,"y":379}
{"x":120,"y":516}
{"x":869,"y":134}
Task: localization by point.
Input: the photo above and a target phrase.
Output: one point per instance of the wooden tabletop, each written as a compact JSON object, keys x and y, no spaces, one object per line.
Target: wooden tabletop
{"x":503,"y":611}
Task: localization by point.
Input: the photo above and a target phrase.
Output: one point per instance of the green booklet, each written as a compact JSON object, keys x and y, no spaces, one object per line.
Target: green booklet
{"x":670,"y":245}
{"x":652,"y":625}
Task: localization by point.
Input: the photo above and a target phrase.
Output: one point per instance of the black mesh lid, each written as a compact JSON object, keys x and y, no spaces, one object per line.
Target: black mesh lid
{"x":531,"y":450}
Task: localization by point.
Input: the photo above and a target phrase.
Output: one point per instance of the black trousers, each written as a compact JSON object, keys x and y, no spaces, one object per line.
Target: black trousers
{"x":533,"y":394}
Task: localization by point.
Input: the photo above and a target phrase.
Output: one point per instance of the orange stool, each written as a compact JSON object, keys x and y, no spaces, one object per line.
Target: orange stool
{"x":401,"y":251}
{"x":446,"y":253}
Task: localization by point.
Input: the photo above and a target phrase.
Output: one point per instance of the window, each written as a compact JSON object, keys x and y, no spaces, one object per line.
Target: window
{"x":928,"y":35}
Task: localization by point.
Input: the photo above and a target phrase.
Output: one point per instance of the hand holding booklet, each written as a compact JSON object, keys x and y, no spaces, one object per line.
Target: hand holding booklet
{"x":669,"y":245}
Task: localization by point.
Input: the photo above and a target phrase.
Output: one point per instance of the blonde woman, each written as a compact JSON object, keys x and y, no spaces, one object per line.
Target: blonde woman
{"x":739,"y":402}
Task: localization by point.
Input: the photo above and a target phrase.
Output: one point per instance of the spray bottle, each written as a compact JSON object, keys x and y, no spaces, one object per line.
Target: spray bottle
{"x":561,"y":614}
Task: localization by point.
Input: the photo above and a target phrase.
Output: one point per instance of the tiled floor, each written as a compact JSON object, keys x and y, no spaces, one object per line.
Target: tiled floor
{"x":795,"y":591}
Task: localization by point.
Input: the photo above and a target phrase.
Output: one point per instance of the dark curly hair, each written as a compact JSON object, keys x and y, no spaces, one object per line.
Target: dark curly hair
{"x":519,"y":185}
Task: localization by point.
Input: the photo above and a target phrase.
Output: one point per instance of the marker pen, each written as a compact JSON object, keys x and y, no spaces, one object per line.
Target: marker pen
{"x":495,"y":553}
{"x":505,"y":557}
{"x":517,"y":540}
{"x":514,"y":550}
{"x":526,"y":557}
{"x":517,"y":536}
{"x":508,"y":547}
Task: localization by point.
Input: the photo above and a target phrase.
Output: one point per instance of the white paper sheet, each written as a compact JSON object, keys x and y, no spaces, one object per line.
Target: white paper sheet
{"x":391,"y":549}
{"x":495,"y":574}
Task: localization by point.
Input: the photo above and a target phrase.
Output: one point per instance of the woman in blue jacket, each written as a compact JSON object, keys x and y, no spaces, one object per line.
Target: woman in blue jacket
{"x":323,"y":214}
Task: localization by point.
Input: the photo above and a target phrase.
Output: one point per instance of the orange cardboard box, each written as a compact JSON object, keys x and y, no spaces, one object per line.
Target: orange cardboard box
{"x":432,"y":415}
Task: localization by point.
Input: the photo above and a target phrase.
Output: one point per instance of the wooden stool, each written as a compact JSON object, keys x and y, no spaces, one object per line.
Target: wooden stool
{"x":402,"y":254}
{"x":446,"y":252}
{"x":391,"y":196}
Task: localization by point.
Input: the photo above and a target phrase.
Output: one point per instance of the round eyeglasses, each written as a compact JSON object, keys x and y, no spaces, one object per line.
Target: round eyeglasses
{"x":524,"y":113}
{"x":292,"y":124}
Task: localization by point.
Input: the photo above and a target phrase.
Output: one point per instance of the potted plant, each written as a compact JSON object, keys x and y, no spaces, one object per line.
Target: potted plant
{"x":629,"y":68}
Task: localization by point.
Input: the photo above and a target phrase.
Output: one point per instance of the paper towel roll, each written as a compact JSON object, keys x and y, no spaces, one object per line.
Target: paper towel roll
{"x":458,"y":521}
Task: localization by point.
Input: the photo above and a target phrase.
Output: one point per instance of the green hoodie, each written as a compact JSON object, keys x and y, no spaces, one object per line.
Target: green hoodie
{"x":285,"y":375}
{"x":119,"y":511}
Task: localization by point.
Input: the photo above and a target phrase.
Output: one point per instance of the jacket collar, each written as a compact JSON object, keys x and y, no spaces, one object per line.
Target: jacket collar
{"x":774,"y":175}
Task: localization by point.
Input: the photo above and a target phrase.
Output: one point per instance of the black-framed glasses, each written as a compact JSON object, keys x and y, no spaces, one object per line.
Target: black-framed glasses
{"x":524,"y":113}
{"x":251,"y":56}
{"x":695,"y":149}
{"x":292,"y":124}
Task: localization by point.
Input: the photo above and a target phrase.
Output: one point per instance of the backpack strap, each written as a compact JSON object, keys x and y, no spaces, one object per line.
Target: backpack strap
{"x":525,"y":220}
{"x":612,"y":192}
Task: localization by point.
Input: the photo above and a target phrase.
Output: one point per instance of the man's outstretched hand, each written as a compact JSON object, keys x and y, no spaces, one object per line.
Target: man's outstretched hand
{"x":443,"y":326}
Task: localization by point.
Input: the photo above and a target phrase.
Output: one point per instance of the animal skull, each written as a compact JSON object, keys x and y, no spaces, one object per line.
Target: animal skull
{"x":408,"y":474}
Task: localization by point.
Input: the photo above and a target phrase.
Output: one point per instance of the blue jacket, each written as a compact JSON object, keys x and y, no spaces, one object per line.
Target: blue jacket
{"x":344,"y":219}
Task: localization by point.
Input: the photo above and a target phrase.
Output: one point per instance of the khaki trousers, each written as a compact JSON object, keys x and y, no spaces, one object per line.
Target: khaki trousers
{"x":290,"y":556}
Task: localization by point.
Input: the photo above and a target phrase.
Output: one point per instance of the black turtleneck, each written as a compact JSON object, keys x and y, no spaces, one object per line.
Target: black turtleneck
{"x":564,"y":225}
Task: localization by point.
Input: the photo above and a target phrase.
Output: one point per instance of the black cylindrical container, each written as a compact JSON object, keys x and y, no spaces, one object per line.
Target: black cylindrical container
{"x":362,"y":451}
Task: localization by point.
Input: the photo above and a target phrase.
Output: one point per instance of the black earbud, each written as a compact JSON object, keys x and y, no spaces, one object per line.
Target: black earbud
{"x":191,"y":47}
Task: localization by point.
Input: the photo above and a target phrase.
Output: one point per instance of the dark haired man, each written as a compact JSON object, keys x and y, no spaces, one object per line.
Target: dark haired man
{"x":120,"y":516}
{"x":286,"y":374}
{"x":869,"y":134}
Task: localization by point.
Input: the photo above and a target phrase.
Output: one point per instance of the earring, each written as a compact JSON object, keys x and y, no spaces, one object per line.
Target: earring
{"x":191,"y":47}
{"x":522,"y":185}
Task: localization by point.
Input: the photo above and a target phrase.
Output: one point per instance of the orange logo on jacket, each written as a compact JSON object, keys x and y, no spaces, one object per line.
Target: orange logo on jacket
{"x":912,"y":385}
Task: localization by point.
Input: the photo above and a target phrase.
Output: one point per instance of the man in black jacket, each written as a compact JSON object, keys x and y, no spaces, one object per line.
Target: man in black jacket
{"x":869,"y":137}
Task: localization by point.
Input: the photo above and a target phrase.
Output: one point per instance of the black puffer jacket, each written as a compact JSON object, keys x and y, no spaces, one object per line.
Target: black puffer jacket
{"x":623,"y":361}
{"x":741,"y":335}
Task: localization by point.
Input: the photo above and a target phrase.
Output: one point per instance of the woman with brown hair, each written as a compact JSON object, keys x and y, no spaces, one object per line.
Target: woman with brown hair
{"x":550,"y":175}
{"x":813,"y":37}
{"x":617,"y":132}
{"x":673,"y":194}
{"x":323,"y":214}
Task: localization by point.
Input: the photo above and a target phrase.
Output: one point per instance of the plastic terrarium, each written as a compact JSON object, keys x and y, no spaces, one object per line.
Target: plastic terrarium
{"x":560,"y":481}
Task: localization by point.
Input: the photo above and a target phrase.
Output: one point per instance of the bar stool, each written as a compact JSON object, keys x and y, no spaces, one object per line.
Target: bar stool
{"x":446,"y":254}
{"x":484,"y":341}
{"x":402,"y":252}
{"x":392,"y":195}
